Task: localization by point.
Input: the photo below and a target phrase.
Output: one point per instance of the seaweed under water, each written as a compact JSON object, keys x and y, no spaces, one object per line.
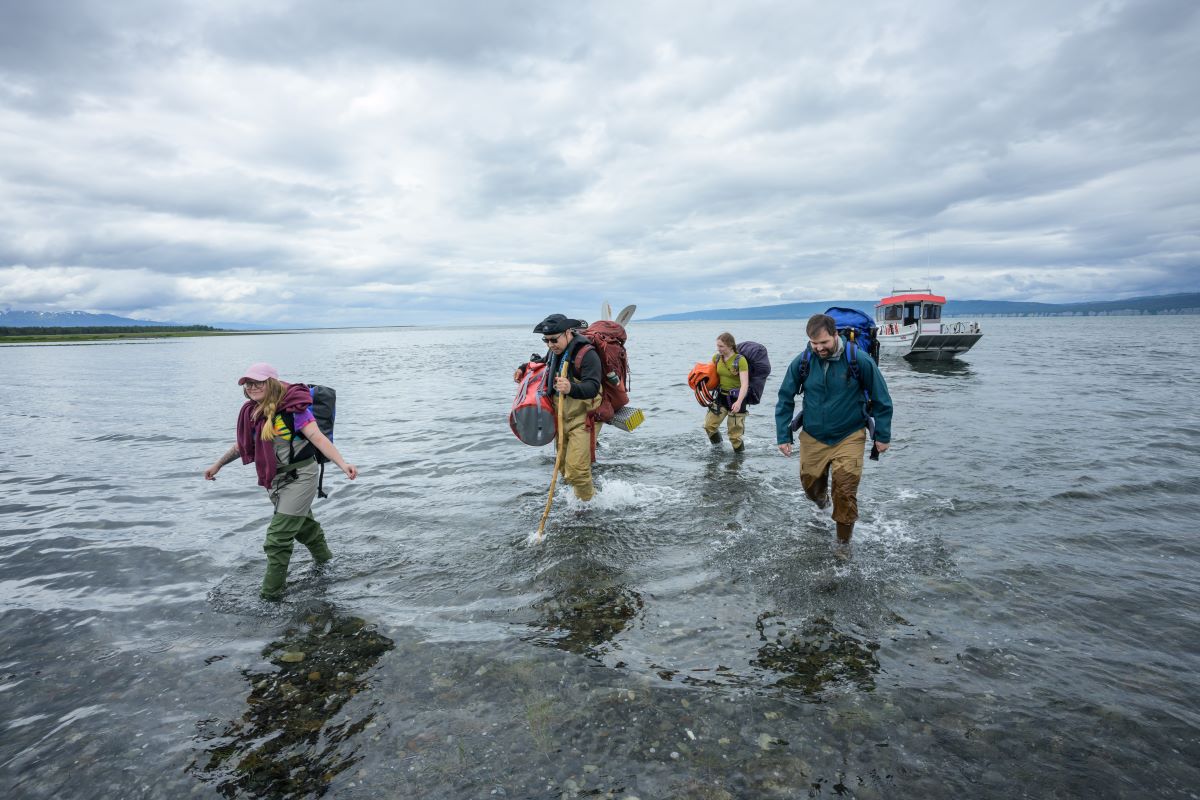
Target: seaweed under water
{"x":288,"y":742}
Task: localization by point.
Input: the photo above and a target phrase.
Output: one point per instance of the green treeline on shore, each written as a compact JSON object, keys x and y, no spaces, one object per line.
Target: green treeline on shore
{"x":94,"y":333}
{"x":41,"y":330}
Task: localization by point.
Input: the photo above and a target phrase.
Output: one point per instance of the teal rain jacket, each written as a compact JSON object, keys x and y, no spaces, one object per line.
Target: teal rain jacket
{"x":833,"y":400}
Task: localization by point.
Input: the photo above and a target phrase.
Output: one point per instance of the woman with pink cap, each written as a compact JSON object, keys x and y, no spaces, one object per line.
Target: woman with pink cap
{"x":274,"y":413}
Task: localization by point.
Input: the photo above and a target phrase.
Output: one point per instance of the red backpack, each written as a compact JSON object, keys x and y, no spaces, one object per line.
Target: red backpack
{"x":608,"y":340}
{"x":532,"y":417}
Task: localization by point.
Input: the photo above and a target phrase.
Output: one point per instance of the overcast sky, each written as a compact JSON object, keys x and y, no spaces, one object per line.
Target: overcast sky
{"x":352,"y":163}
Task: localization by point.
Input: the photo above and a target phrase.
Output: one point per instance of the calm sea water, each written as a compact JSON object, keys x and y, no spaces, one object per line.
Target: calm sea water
{"x":1018,"y":619}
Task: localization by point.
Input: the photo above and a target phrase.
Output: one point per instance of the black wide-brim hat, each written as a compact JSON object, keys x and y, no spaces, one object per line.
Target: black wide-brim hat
{"x":557,"y":323}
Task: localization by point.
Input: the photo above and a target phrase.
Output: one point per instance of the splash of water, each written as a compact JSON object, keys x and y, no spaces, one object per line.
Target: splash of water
{"x":615,"y":495}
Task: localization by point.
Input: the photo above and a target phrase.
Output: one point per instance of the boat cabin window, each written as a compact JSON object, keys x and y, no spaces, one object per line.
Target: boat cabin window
{"x":933,"y":312}
{"x":912,"y":312}
{"x":890,"y":313}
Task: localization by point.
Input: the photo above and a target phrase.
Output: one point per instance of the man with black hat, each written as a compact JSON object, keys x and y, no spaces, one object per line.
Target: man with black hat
{"x":580,"y":392}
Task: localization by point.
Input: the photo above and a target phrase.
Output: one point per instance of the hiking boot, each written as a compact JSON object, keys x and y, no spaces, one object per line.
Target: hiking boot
{"x":739,"y":447}
{"x":844,"y":531}
{"x":841,"y":551}
{"x":715,"y":437}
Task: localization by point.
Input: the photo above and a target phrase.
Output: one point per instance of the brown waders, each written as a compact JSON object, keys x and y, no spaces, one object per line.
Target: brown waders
{"x":844,"y":461}
{"x":577,"y":450}
{"x":736,"y":426}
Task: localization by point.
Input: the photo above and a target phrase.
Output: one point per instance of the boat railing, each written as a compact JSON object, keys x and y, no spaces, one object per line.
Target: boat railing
{"x":959,"y":327}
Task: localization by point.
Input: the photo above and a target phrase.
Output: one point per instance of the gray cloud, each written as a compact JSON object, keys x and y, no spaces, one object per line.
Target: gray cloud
{"x":482,"y":161}
{"x":458,"y":31}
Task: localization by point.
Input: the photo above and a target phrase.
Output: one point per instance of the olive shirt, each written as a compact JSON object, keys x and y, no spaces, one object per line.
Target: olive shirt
{"x":730,"y":379}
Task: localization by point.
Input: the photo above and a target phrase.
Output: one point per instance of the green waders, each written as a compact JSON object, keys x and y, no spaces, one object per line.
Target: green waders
{"x":292,"y":494}
{"x":281,"y":533}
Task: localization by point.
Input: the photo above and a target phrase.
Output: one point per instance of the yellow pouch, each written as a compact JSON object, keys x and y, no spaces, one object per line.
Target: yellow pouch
{"x":627,"y":418}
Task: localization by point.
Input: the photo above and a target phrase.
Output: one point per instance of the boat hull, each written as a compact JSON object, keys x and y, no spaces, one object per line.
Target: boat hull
{"x":929,"y":346}
{"x":941,"y":346}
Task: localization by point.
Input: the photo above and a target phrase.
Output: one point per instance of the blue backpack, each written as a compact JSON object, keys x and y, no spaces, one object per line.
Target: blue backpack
{"x":855,"y":326}
{"x":859,"y":332}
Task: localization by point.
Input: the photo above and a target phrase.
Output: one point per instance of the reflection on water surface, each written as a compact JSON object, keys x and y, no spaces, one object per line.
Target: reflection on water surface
{"x":1013,"y":619}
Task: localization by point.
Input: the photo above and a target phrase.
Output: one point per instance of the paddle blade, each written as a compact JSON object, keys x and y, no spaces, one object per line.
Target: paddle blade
{"x":626,"y":315}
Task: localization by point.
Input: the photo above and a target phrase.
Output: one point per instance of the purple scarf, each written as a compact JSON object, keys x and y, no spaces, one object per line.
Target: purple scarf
{"x":252,"y":446}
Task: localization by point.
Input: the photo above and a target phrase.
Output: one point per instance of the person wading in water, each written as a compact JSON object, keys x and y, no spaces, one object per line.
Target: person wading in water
{"x":733,"y":372}
{"x":274,"y":413}
{"x":834,"y":434}
{"x":580,"y":392}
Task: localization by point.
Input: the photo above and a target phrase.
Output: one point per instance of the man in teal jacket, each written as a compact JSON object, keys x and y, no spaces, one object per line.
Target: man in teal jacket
{"x":834,"y":433}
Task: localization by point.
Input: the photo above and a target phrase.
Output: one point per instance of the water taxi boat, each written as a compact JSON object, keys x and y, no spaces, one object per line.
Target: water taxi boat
{"x":909,"y":323}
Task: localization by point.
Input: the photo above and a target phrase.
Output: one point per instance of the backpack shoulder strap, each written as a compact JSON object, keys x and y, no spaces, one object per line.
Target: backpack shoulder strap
{"x":855,"y":370}
{"x":579,"y":354}
{"x":805,"y":366}
{"x":289,"y":419}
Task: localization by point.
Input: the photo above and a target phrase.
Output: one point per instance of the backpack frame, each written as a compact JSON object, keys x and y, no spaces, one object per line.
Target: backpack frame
{"x":608,"y":339}
{"x":324,"y":409}
{"x":759,"y":367}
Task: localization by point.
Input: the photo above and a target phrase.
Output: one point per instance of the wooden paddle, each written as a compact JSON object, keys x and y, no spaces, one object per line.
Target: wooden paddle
{"x":558,"y":457}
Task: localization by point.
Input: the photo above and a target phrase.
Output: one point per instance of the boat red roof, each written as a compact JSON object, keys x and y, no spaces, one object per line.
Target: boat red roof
{"x":911,"y":298}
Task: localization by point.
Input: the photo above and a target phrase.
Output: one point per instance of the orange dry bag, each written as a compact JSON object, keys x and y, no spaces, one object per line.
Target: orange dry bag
{"x":703,"y":380}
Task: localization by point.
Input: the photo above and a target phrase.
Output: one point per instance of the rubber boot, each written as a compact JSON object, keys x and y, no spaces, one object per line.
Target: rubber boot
{"x":273,"y":583}
{"x":844,"y":530}
{"x":281,"y":534}
{"x":312,"y":536}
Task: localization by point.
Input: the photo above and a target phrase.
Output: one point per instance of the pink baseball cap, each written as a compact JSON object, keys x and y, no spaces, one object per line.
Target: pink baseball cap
{"x":258,"y":372}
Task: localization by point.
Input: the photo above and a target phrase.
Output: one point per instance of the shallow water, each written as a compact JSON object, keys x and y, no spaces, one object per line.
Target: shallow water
{"x":1018,"y":618}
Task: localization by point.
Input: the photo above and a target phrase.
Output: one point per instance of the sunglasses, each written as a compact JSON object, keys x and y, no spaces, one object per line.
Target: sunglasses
{"x":551,"y":339}
{"x":255,"y":384}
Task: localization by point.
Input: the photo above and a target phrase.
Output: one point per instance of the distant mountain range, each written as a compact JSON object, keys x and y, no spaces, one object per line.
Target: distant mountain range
{"x":1185,"y":303}
{"x":83,"y":319}
{"x":67,"y":319}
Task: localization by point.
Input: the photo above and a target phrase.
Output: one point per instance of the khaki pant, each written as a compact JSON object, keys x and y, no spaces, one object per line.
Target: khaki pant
{"x":577,"y":452}
{"x":845,"y":461}
{"x":736,"y":426}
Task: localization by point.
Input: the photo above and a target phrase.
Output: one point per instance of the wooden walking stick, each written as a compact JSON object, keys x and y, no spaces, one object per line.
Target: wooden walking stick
{"x":558,"y":457}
